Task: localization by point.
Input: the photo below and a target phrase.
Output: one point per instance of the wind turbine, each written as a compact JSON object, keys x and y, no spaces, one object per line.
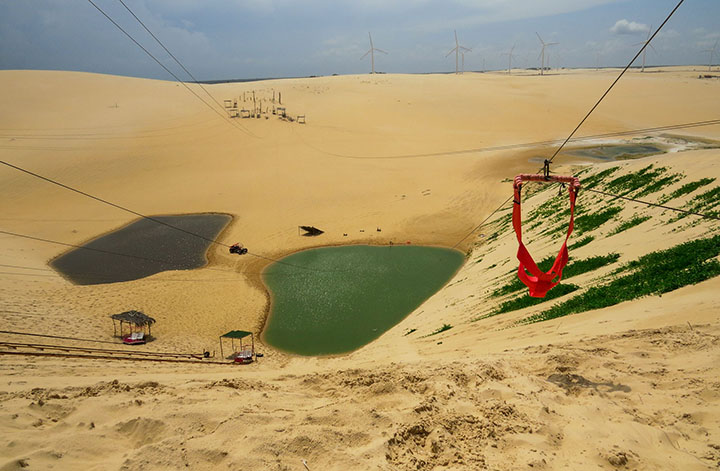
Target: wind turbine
{"x":510,"y":56}
{"x":647,"y":43}
{"x":371,"y":51}
{"x":542,"y":53}
{"x":712,"y":54}
{"x":457,"y":50}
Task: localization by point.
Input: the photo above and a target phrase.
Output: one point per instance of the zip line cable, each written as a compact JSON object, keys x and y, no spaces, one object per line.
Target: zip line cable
{"x":685,"y":211}
{"x":95,"y":276}
{"x":586,"y":116}
{"x":123,"y":208}
{"x":171,"y":55}
{"x":705,"y":216}
{"x":109,"y":281}
{"x":150,"y":218}
{"x":231,"y":123}
{"x":161,"y":262}
{"x":645,"y":45}
{"x":108,"y":252}
{"x":630,"y":132}
{"x":207,"y":104}
{"x":669,"y":127}
{"x":482,"y":222}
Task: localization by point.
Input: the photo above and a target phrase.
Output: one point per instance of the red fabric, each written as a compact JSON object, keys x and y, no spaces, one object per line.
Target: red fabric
{"x":537,"y":281}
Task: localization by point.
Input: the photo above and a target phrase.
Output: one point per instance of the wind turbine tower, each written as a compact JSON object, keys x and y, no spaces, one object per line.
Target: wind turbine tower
{"x":542,"y":53}
{"x":457,"y":50}
{"x":371,"y":51}
{"x":510,"y":57}
{"x":712,"y":54}
{"x":647,"y":43}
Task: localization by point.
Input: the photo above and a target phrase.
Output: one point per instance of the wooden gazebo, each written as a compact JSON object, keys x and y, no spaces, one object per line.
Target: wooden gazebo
{"x":136,"y":321}
{"x":246,"y":353}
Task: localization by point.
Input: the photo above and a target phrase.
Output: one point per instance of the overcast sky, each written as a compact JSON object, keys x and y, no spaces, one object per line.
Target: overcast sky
{"x":222,"y":39}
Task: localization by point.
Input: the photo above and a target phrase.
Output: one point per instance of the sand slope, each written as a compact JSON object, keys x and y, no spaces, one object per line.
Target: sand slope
{"x":632,"y":386}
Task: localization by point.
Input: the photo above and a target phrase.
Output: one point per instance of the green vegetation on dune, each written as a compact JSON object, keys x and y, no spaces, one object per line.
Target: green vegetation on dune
{"x":632,"y":181}
{"x":590,"y":222}
{"x":635,"y":221}
{"x":598,"y":178}
{"x":580,"y":243}
{"x":686,"y":189}
{"x":655,"y":273}
{"x":658,"y":184}
{"x":589,"y":264}
{"x":707,"y":203}
{"x":643,"y":182}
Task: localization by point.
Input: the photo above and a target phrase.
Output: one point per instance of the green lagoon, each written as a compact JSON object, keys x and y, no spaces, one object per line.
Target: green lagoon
{"x":336,"y":299}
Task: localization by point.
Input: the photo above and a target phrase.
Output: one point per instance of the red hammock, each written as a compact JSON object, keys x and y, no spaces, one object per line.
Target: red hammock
{"x":537,"y":281}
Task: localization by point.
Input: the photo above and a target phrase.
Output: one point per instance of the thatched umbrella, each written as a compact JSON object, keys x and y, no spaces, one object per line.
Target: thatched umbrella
{"x":133,"y":318}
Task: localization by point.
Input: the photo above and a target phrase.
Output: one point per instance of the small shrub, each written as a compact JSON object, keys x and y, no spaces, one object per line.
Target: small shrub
{"x":441,"y":329}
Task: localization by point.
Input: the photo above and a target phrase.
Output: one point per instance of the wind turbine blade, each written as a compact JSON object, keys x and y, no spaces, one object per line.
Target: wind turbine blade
{"x":541,"y":53}
{"x":451,"y":51}
{"x":541,"y":41}
{"x":380,"y":50}
{"x":466,"y":49}
{"x":363,"y":57}
{"x":638,"y":44}
{"x":552,"y":44}
{"x":651,"y":47}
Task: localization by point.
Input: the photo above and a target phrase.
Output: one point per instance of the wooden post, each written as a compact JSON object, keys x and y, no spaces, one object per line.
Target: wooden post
{"x":280,"y":98}
{"x":221,"y":350}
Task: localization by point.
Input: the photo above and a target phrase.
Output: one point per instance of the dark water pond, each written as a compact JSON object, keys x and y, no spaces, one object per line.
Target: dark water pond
{"x":172,"y":250}
{"x":349,"y":296}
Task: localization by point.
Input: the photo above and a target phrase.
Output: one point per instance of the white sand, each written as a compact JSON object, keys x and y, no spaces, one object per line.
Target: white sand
{"x":632,"y":386}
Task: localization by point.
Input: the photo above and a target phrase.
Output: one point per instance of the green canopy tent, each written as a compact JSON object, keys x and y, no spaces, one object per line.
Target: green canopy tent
{"x":240,"y":335}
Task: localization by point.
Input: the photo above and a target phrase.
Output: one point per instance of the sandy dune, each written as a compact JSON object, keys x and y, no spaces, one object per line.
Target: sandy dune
{"x":633,"y":386}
